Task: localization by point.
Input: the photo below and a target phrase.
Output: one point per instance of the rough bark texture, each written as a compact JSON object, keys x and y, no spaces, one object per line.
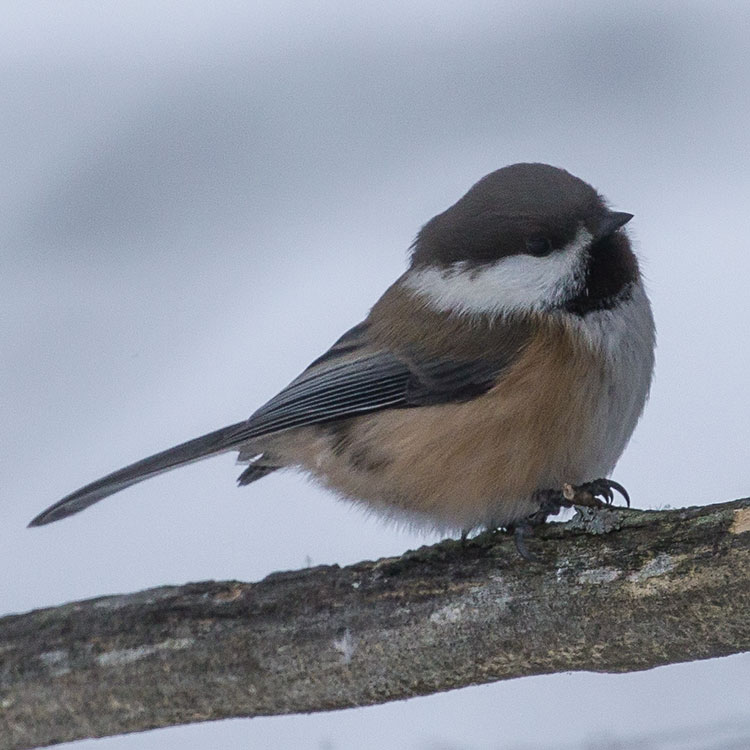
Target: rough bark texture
{"x":617,"y":591}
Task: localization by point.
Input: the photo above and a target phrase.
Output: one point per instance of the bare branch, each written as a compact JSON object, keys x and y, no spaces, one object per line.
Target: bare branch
{"x":660,"y":587}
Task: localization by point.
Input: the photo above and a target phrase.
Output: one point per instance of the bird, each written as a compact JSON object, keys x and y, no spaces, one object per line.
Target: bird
{"x":497,"y":380}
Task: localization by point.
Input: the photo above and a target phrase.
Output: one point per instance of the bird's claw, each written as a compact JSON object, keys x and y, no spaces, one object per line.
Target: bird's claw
{"x":521,"y":531}
{"x":598,"y":493}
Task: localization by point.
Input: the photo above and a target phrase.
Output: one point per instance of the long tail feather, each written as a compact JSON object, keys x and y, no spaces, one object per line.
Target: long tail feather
{"x":185,"y":453}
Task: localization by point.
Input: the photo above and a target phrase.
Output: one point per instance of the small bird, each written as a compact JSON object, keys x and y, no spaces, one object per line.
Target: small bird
{"x":496,"y":381}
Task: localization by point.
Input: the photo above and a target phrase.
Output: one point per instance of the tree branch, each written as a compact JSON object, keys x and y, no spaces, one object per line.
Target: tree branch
{"x":660,"y":587}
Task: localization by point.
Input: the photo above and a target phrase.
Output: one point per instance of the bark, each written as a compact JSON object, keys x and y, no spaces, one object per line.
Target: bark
{"x":615,"y":591}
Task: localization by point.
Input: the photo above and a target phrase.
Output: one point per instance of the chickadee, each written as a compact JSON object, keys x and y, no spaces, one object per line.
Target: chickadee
{"x":513,"y":358}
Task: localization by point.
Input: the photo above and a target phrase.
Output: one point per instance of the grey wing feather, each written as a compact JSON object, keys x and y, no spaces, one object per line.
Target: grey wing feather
{"x":350,"y":379}
{"x":374,"y":382}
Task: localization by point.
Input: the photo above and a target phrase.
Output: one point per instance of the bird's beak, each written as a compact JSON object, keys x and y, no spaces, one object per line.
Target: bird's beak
{"x":610,"y":223}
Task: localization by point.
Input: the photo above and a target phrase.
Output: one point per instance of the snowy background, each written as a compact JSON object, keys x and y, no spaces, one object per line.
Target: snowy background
{"x":198,"y":198}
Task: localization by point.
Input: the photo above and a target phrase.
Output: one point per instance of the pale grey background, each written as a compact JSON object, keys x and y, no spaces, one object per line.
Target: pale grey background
{"x":198,"y":198}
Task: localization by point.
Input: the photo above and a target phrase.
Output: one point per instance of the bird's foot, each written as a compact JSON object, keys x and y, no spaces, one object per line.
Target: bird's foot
{"x":598,"y":493}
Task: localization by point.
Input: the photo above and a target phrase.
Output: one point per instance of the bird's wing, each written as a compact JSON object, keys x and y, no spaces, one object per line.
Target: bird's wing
{"x":350,"y":379}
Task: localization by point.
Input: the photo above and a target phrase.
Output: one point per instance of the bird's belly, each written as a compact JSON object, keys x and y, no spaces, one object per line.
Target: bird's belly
{"x":454,"y":466}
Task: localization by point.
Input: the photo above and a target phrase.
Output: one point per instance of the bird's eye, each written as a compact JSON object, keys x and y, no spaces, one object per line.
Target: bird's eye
{"x":538,"y":246}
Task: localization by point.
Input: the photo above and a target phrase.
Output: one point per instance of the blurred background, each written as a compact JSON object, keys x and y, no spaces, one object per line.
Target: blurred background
{"x":198,"y":198}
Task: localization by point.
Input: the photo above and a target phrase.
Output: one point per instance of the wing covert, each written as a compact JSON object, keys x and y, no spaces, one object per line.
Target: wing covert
{"x":351,"y":379}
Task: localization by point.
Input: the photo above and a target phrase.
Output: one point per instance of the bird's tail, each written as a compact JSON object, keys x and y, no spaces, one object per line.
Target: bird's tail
{"x":193,"y":450}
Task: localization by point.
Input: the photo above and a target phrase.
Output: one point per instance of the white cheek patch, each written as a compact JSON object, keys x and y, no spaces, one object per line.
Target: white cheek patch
{"x":516,"y":283}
